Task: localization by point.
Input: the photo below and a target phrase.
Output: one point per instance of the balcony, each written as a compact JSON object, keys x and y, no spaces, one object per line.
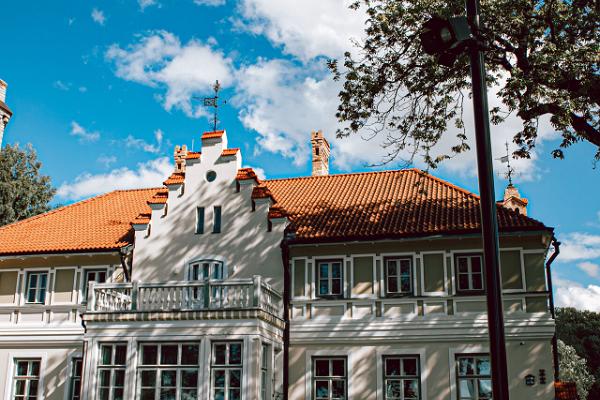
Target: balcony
{"x":211,"y":299}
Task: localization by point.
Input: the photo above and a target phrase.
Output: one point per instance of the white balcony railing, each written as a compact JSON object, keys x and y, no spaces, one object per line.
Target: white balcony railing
{"x":185,"y":296}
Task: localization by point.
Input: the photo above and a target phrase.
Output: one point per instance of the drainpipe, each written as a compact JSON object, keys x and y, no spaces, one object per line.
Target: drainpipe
{"x":285,"y":255}
{"x":556,"y":245}
{"x":124,"y":253}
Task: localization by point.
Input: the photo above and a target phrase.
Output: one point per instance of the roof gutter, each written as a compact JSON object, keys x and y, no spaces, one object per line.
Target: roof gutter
{"x":58,"y":254}
{"x":556,"y":244}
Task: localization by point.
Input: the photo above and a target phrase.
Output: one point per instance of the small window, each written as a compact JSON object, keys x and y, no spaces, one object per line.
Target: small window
{"x":211,"y":176}
{"x":217,"y":220}
{"x":330,"y":378}
{"x":330,"y":278}
{"x":469,"y":273}
{"x":206,"y":269}
{"x":199,"y":219}
{"x":401,"y":377}
{"x":264,"y":372}
{"x":226,"y":371}
{"x":75,"y":379}
{"x":111,"y":371}
{"x":26,"y":379}
{"x":474,"y":377}
{"x":37,"y":283}
{"x":398,"y":275}
{"x":97,"y":276}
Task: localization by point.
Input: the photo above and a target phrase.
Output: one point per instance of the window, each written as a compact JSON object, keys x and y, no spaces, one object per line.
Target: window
{"x":474,"y":377}
{"x":226,"y":371}
{"x":398,"y":273}
{"x":264,"y":372}
{"x":97,"y":276}
{"x":469,"y":273}
{"x":169,"y":371}
{"x":329,"y":278}
{"x":206,"y":269}
{"x":111,"y":371}
{"x":75,"y":379}
{"x":401,"y":377}
{"x":37,"y":283}
{"x":199,"y":219}
{"x":26,"y":379}
{"x":329,"y":378}
{"x":217,"y":220}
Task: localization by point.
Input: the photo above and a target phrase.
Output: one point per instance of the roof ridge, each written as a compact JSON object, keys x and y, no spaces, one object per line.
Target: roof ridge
{"x":343,"y":174}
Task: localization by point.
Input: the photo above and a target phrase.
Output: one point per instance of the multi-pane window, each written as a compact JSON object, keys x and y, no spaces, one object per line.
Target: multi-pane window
{"x":26,"y":379}
{"x":264,"y":371}
{"x":329,"y":274}
{"x":111,"y":371}
{"x":469,"y":273}
{"x":93,"y":275}
{"x":330,"y":379}
{"x":169,"y":371}
{"x":75,"y":379}
{"x":398,"y":276}
{"x":37,"y":283}
{"x":199,"y":220}
{"x":474,"y":377}
{"x":206,"y":269}
{"x":226,"y":371}
{"x":401,"y":377}
{"x":217,"y":219}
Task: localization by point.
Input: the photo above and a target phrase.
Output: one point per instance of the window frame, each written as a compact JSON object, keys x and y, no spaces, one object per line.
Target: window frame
{"x":85,"y":282}
{"x":398,"y":276}
{"x":469,"y":273}
{"x":159,"y":367}
{"x":330,"y":278}
{"x":38,"y":288}
{"x":265,"y":371}
{"x":113,"y":368}
{"x":217,"y":219}
{"x":27,"y":378}
{"x":476,"y":376}
{"x":402,"y":377}
{"x":227,"y":367}
{"x":73,"y":377}
{"x":200,"y":220}
{"x":330,"y":378}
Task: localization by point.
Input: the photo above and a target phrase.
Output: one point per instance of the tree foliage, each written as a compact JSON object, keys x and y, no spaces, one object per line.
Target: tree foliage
{"x":574,"y":369}
{"x":580,"y":329}
{"x":544,"y":56}
{"x":24,"y":191}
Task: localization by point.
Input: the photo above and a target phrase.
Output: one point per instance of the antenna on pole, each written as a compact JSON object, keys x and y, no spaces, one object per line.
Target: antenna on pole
{"x":214,"y":103}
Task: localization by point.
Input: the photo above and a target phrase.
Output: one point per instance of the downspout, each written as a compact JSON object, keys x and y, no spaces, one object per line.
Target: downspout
{"x":125,"y":253}
{"x":285,"y":256}
{"x":556,"y":245}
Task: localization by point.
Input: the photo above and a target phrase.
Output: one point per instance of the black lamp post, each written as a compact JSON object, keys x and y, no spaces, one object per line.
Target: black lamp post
{"x":447,"y":38}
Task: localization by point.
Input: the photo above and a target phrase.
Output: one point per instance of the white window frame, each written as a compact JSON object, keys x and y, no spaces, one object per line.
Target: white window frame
{"x":189,"y":267}
{"x":469,"y":273}
{"x":28,"y":378}
{"x":112,"y":368}
{"x":402,"y":377}
{"x":330,"y":261}
{"x":452,"y":353}
{"x":266,"y":381}
{"x":227,"y":367}
{"x":10,"y":371}
{"x":158,"y":367}
{"x":475,"y":377}
{"x":447,"y":282}
{"x":382,"y":281}
{"x":310,"y":354}
{"x":399,"y":275}
{"x":421,"y":352}
{"x":72,"y":365}
{"x":37,"y":288}
{"x":374,"y":282}
{"x":330,"y":378}
{"x":85,"y":282}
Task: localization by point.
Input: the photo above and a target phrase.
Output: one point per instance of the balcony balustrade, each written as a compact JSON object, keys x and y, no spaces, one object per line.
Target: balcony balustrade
{"x":210,"y":295}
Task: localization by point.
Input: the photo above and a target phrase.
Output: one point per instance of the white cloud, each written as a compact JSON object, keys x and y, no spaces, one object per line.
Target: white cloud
{"x":572,"y":294}
{"x":579,"y":246}
{"x":159,"y":59}
{"x":60,"y":85}
{"x":107,"y":161}
{"x":148,"y":174}
{"x":211,"y":3}
{"x":306,"y":29}
{"x":593,"y":270}
{"x":147,"y":3}
{"x":82,"y":89}
{"x":83,"y":134}
{"x":131,"y":141}
{"x":98,"y":16}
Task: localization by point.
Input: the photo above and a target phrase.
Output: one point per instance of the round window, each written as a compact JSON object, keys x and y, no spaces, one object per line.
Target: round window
{"x":211,"y":176}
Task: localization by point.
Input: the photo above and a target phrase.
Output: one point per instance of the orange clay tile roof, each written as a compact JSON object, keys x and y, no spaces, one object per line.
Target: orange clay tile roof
{"x":212,"y":135}
{"x":246,"y":174}
{"x":566,"y":391}
{"x":229,"y":152}
{"x":380,"y":205}
{"x":175,"y":178}
{"x":191,"y":155}
{"x":101,"y":223}
{"x":160,"y":197}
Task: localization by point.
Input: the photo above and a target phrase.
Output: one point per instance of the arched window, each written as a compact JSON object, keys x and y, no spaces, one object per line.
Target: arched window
{"x":205,"y":269}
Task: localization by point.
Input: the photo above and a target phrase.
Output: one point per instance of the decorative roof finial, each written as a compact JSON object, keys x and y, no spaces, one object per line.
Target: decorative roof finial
{"x":214,"y":102}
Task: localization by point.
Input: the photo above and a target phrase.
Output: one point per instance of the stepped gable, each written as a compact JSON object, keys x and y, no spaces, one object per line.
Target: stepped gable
{"x":101,"y":223}
{"x":378,"y":205}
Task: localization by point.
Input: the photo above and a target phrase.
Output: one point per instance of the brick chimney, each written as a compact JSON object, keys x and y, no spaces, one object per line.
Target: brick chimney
{"x":320,"y":154}
{"x":179,"y":158}
{"x":5,"y":112}
{"x":513,"y":200}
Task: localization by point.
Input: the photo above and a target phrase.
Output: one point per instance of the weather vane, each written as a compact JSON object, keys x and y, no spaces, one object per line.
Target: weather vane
{"x":509,"y":170}
{"x":214,"y":102}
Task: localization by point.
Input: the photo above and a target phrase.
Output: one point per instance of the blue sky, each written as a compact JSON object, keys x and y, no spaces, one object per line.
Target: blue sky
{"x":104,"y":90}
